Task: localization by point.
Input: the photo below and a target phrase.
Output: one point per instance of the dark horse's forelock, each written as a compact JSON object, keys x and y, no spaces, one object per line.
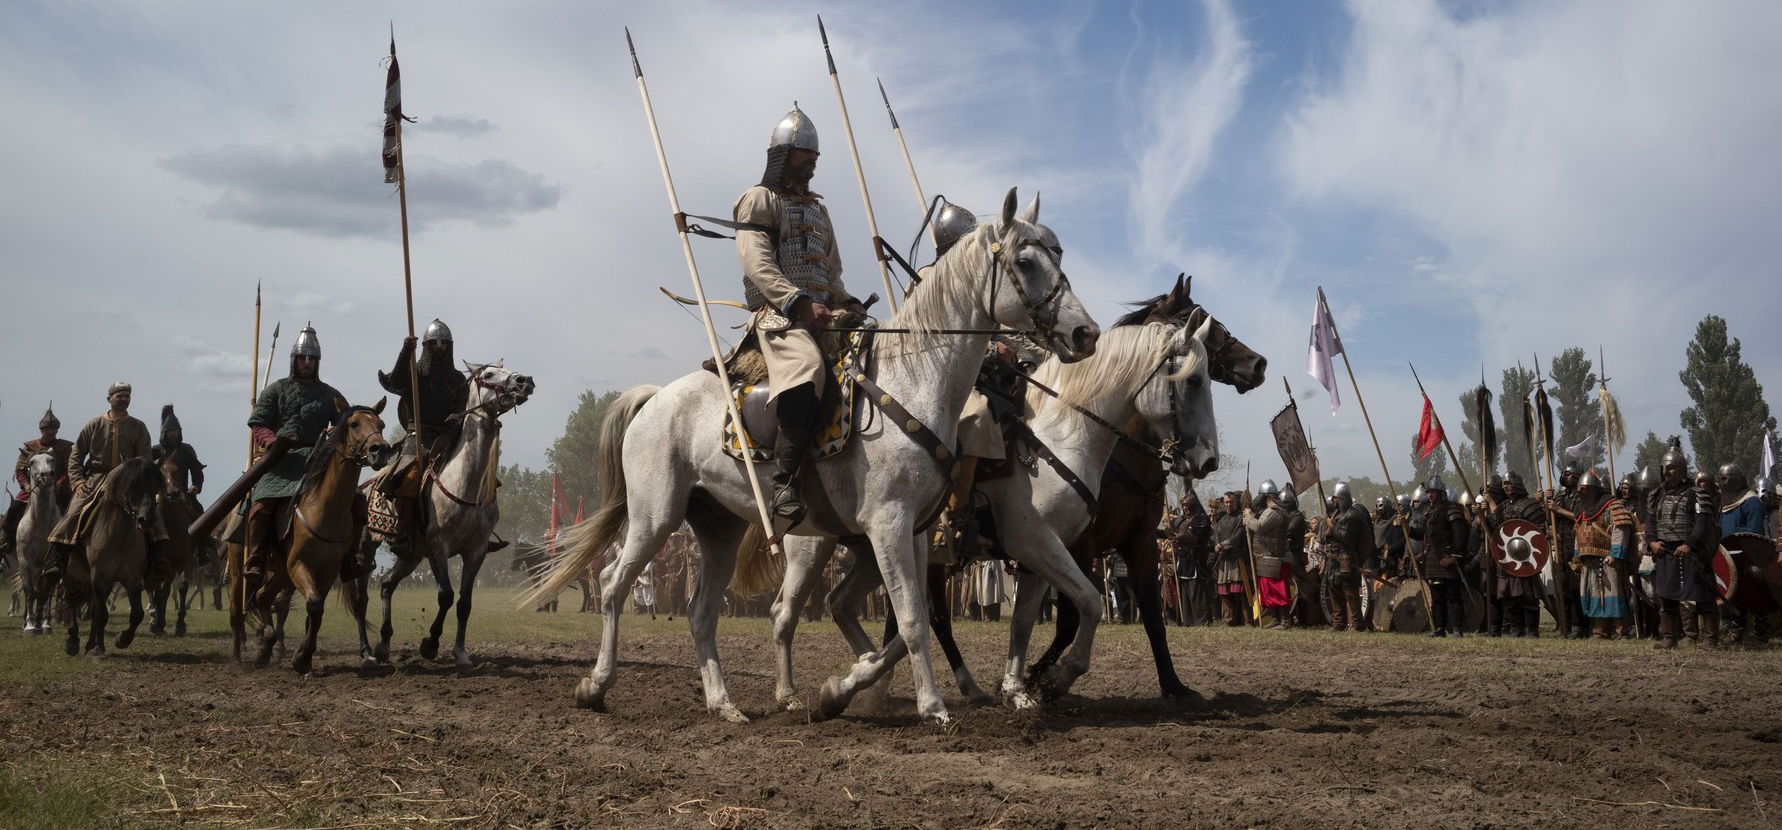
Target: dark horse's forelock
{"x":326,"y":450}
{"x":1141,"y":311}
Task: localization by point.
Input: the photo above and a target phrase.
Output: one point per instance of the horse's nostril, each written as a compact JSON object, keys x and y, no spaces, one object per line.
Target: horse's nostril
{"x":1083,"y":338}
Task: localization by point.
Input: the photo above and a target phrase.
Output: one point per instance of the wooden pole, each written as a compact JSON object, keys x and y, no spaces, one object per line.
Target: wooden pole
{"x":1464,"y":482}
{"x":897,"y":130}
{"x":705,"y":314}
{"x":254,"y":382}
{"x":872,"y":224}
{"x":1549,"y":488}
{"x":408,"y":290}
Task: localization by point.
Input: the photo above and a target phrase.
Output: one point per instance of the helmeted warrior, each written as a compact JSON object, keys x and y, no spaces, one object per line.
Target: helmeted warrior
{"x":1305,"y":584}
{"x":103,"y":444}
{"x":793,"y":282}
{"x":1231,"y":547}
{"x":1564,"y":503}
{"x":1349,"y":544}
{"x":443,"y":394}
{"x":1192,"y":530}
{"x":300,"y":407}
{"x":1741,"y":511}
{"x":1389,"y":538}
{"x":1605,"y":539}
{"x":48,"y":427}
{"x":1268,"y":532}
{"x":1678,"y":531}
{"x":1518,"y":596}
{"x":179,"y":459}
{"x":1443,"y":531}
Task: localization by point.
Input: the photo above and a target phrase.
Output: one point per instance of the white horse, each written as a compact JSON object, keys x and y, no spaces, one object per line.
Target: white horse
{"x":457,"y":514}
{"x":1157,"y":373}
{"x":41,"y":515}
{"x":661,"y":460}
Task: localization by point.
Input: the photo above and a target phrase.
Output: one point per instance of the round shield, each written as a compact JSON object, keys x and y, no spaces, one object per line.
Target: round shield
{"x":1746,"y":572}
{"x":1520,"y":548}
{"x":1409,"y":611}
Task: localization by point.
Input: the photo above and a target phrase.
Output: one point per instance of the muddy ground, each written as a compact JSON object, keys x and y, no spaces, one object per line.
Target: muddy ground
{"x":1304,"y":729}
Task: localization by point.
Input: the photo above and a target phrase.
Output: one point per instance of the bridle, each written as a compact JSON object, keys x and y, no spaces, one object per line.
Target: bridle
{"x":1043,"y":326}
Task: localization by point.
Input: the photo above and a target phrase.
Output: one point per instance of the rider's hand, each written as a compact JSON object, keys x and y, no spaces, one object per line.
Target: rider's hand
{"x":193,"y":490}
{"x":1655,"y":548}
{"x":855,"y":306}
{"x":409,"y":342}
{"x":810,"y":313}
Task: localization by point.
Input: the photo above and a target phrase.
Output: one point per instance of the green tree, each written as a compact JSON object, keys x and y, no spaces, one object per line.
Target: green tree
{"x":1469,"y":447}
{"x":573,"y":454}
{"x":1517,"y":384}
{"x":1650,"y":453}
{"x":1572,"y":387}
{"x":1727,"y":422}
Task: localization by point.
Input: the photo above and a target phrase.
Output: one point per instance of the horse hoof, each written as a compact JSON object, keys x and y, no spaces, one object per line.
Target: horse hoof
{"x":179,"y":630}
{"x":381,"y":654}
{"x":126,"y":638}
{"x":367,"y":663}
{"x":72,"y":647}
{"x":158,"y":631}
{"x":429,"y":648}
{"x":302,"y":666}
{"x":830,"y":701}
{"x":732,"y":714}
{"x":791,"y":703}
{"x":466,"y":665}
{"x":96,"y":653}
{"x":1186,"y":698}
{"x":938,"y":718}
{"x":588,"y":696}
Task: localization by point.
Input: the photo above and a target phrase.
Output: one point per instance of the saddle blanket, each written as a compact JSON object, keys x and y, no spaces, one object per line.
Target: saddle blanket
{"x":832,"y":435}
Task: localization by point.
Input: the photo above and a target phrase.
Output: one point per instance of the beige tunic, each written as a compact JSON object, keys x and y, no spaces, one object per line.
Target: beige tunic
{"x":103,"y":444}
{"x":804,"y":263}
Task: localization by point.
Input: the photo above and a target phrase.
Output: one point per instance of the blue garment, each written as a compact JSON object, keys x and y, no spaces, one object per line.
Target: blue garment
{"x":1744,"y":517}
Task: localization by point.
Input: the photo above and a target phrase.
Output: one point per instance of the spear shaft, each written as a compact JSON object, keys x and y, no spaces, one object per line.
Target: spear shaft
{"x":705,"y":314}
{"x":1602,"y":366}
{"x":897,"y":130}
{"x":254,"y":382}
{"x":1561,"y":608}
{"x":872,"y":223}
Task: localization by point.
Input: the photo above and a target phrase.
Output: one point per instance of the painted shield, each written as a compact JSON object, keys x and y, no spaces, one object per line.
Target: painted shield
{"x":1515,"y":558}
{"x":1744,"y":568}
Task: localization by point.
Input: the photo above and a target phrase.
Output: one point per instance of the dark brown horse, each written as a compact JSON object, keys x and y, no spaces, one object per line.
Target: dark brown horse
{"x":113,"y":553}
{"x":176,"y":557}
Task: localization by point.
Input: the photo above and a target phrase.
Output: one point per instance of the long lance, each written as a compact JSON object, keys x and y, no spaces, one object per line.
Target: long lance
{"x":1391,"y":489}
{"x":1561,"y":612}
{"x":872,"y":223}
{"x":705,"y":314}
{"x":270,"y":350}
{"x":897,"y":130}
{"x":1254,"y":588}
{"x":1602,"y":365}
{"x":408,"y":287}
{"x":254,"y":382}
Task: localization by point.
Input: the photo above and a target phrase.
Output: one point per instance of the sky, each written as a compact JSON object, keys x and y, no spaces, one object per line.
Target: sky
{"x":1472,"y":183}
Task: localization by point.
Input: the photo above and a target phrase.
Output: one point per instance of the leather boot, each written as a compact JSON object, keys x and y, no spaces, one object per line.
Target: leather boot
{"x":57,"y":564}
{"x":1691,"y":623}
{"x":788,"y":458}
{"x":1531,"y":619}
{"x":1352,"y":599}
{"x":1494,"y":620}
{"x":1668,"y":623}
{"x":260,"y":543}
{"x":1710,"y":628}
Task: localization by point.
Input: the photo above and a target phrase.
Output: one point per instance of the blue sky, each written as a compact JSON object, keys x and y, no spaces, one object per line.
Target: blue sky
{"x":1470,"y":182}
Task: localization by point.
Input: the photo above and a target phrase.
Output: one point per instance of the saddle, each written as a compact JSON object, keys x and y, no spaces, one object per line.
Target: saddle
{"x":843,"y":352}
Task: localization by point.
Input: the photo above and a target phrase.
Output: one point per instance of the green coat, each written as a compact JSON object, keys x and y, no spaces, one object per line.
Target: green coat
{"x":301,"y":410}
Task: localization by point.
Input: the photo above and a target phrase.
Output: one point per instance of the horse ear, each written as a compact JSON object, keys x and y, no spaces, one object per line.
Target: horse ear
{"x":1205,"y":330}
{"x":468,"y":366}
{"x":1031,"y":214}
{"x":378,"y":408}
{"x":340,"y":405}
{"x":1187,"y":286}
{"x":501,"y":363}
{"x":1008,"y":210}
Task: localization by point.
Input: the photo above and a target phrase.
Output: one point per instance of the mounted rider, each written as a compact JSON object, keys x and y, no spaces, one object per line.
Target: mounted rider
{"x":59,"y":449}
{"x":178,"y":457}
{"x":443,"y":394}
{"x":1349,"y":542}
{"x":103,"y":444}
{"x":792,"y":282}
{"x":300,"y":407}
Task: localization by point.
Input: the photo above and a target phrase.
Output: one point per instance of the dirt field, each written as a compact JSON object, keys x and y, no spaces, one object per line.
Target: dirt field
{"x":1305,"y":729}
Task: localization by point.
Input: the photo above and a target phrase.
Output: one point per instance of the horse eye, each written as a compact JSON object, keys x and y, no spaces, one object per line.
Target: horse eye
{"x":1057,"y":251}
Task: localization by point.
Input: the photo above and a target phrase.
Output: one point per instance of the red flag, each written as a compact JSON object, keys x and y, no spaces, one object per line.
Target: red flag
{"x":578,"y":510}
{"x":1429,"y":435}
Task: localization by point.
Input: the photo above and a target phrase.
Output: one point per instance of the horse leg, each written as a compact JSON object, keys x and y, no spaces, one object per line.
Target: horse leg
{"x":940,"y":617}
{"x":158,"y":590}
{"x":101,"y":612}
{"x":718,"y":533}
{"x":651,"y":523}
{"x":359,"y":595}
{"x":1147,"y":595}
{"x":134,"y":594}
{"x":903,"y":561}
{"x":442,"y":577}
{"x":71,"y":611}
{"x":1049,"y":561}
{"x":182,"y":599}
{"x":313,"y":607}
{"x":847,"y":598}
{"x":473,"y":562}
{"x":387,"y":590}
{"x":805,"y":559}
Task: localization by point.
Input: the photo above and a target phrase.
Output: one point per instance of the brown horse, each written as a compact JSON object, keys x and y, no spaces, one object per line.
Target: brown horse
{"x":175,"y":558}
{"x":113,"y":553}
{"x":325,"y":526}
{"x":1132,"y":496}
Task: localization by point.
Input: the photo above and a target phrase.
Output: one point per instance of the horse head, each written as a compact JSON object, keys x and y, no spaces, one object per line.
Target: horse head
{"x":1027,"y":288}
{"x":1191,"y":435}
{"x":41,"y":471}
{"x":1230,"y":361}
{"x":496,"y":387}
{"x":359,"y":434}
{"x":133,"y":487}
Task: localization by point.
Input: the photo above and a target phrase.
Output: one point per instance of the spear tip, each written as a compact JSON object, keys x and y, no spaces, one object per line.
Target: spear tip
{"x":636,"y":68}
{"x":824,"y":33}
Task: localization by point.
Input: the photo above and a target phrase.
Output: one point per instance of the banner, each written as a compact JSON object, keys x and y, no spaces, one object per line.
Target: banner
{"x":1296,"y":452}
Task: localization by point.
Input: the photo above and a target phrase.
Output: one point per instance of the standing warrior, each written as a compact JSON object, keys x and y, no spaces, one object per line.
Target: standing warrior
{"x":1348,"y":547}
{"x":1565,"y":507}
{"x":1269,"y":534}
{"x":1389,"y":536}
{"x":59,"y":449}
{"x":173,"y":451}
{"x":1520,"y":596}
{"x":1230,"y":546}
{"x":1677,"y":532}
{"x":1193,"y":532}
{"x":300,"y":407}
{"x":792,"y":282}
{"x":1443,"y":531}
{"x":103,"y":444}
{"x":443,"y":393}
{"x":1304,"y":584}
{"x":1605,"y":538}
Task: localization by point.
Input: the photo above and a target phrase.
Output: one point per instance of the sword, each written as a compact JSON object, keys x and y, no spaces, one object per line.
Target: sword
{"x":872,"y":223}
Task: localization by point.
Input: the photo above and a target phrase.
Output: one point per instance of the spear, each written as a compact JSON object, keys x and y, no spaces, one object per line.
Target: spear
{"x":393,"y":116}
{"x":1253,"y":588}
{"x":1561,"y":611}
{"x":897,"y":130}
{"x":872,"y":223}
{"x":705,"y":313}
{"x":254,"y":382}
{"x":270,"y":350}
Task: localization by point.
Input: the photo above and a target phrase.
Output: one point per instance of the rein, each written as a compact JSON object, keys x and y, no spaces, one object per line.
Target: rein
{"x":486,"y":409}
{"x":1169,"y":448}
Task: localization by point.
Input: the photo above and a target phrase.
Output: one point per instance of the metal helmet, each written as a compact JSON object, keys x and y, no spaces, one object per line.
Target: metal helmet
{"x":1674,"y":457}
{"x":307,"y":345}
{"x":1571,"y":470}
{"x":1289,"y":500}
{"x":1631,"y":481}
{"x":1732,"y":479}
{"x":1345,"y":498}
{"x":1513,"y":485}
{"x":951,"y":224}
{"x":1765,"y":487}
{"x":437,"y":330}
{"x":169,"y":421}
{"x":1590,"y":479}
{"x":1379,"y":501}
{"x":1648,"y":478}
{"x":1436,"y":483}
{"x":794,"y":130}
{"x":49,"y":419}
{"x":1466,"y":499}
{"x":1404,"y":502}
{"x":1417,"y":495}
{"x":1268,"y":488}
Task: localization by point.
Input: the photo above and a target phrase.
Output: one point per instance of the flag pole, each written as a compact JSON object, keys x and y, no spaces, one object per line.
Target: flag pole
{"x":872,"y":223}
{"x":1550,"y":488}
{"x":1322,"y":504}
{"x":408,"y":282}
{"x":1438,"y":419}
{"x":705,"y":313}
{"x":254,"y":382}
{"x":897,"y":130}
{"x":1602,"y":365}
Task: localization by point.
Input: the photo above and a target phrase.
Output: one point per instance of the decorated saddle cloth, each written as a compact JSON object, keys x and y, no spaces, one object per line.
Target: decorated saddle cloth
{"x":844,"y":353}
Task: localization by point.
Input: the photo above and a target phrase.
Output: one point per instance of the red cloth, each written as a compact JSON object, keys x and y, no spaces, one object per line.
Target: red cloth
{"x":1276,"y":592}
{"x":1429,"y":435}
{"x":262,"y":436}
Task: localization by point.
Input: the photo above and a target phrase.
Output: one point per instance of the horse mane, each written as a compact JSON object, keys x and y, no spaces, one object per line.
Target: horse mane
{"x":949,"y":289}
{"x":328,"y":448}
{"x":1141,"y":311}
{"x":120,"y":484}
{"x":1124,"y":359}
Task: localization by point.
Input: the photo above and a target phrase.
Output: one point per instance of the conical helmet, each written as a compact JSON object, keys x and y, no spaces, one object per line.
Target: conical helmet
{"x":794,"y":130}
{"x":1674,"y":457}
{"x":49,"y":419}
{"x":307,"y":345}
{"x":168,"y":419}
{"x":437,"y":330}
{"x":951,"y":224}
{"x":1268,"y":488}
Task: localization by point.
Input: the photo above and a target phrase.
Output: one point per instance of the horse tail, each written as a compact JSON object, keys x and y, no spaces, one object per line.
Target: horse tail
{"x":585,"y":542}
{"x":756,"y":568}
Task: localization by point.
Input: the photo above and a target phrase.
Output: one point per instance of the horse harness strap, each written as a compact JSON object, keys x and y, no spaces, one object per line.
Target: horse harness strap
{"x":918,"y":432}
{"x":297,"y":510}
{"x":1161,"y":453}
{"x":1021,"y":431}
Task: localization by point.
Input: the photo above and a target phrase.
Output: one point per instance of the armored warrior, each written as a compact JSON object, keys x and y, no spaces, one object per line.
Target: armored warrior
{"x":1193,"y":532}
{"x":174,"y":454}
{"x":1520,"y":596}
{"x":1741,"y":511}
{"x":1230,"y":547}
{"x":1349,"y":545}
{"x":59,"y":449}
{"x":1564,"y":504}
{"x":1268,"y":533}
{"x":792,"y":282}
{"x":443,"y":394}
{"x":299,"y":407}
{"x":1305,"y":584}
{"x":1677,"y":533}
{"x":103,"y":444}
{"x":1389,"y":536}
{"x":1605,"y":539}
{"x":1442,"y":530}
